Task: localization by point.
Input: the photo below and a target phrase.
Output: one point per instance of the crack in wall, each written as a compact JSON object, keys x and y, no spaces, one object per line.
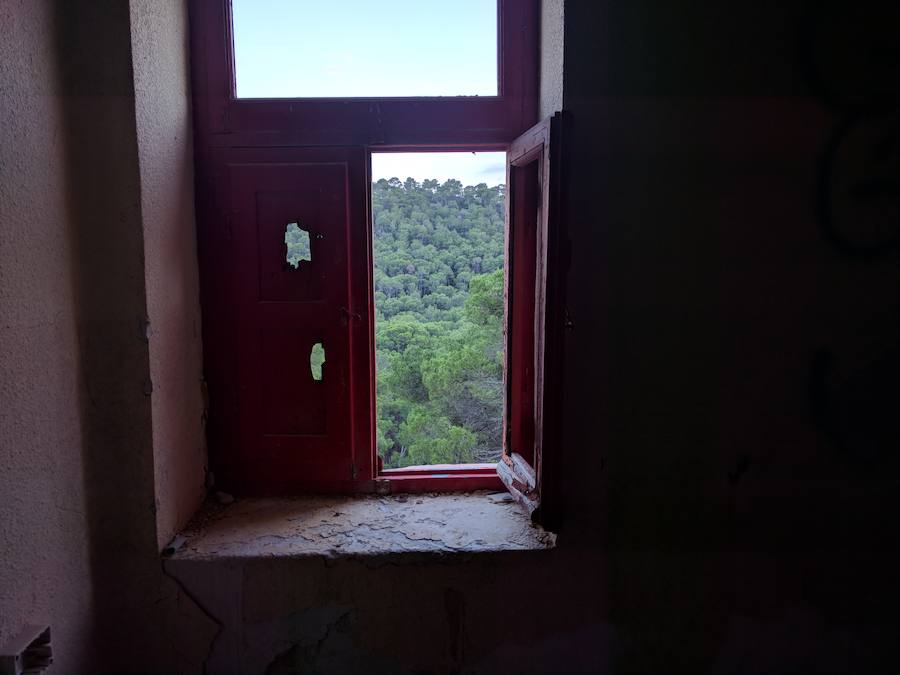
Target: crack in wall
{"x":220,"y":628}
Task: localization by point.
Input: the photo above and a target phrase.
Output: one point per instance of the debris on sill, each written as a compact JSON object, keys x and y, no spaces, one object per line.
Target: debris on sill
{"x":174,"y":546}
{"x":361,"y":525}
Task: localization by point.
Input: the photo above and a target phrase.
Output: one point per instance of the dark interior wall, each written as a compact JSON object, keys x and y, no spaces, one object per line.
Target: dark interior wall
{"x":732,"y":374}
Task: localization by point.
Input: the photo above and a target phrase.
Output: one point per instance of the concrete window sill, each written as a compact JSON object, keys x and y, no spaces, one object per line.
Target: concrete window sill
{"x":353,"y":526}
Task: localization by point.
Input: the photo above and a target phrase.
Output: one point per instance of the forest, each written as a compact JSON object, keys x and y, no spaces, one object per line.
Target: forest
{"x":438,"y":273}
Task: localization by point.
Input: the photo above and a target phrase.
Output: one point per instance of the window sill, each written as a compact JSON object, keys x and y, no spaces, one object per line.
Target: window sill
{"x":361,"y":526}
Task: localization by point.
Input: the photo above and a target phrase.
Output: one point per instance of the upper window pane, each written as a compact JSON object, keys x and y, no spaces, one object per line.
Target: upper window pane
{"x":364,"y":48}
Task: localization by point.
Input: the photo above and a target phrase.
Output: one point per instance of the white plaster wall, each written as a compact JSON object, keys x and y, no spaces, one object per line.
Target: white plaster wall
{"x":159,"y":36}
{"x":44,"y":558}
{"x":552,"y":22}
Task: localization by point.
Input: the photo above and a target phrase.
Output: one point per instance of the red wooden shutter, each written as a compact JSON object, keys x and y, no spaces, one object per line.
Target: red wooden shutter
{"x":292,"y":432}
{"x":533,"y":315}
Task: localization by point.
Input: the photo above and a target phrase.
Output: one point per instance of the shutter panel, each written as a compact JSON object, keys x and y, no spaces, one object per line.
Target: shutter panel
{"x":295,"y":427}
{"x":533,"y":321}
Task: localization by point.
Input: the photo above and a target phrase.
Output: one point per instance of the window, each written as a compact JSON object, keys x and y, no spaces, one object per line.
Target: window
{"x":288,"y":276}
{"x":438,"y":298}
{"x":223,"y":118}
{"x":364,"y":48}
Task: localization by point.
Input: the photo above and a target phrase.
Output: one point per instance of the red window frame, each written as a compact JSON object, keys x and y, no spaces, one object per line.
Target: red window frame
{"x":470,"y":121}
{"x":273,"y":131}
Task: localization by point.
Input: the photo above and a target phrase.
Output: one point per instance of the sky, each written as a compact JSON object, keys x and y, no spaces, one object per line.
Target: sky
{"x":467,"y":167}
{"x":316,"y":48}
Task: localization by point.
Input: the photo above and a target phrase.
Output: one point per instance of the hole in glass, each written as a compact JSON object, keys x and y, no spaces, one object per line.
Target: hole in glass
{"x":316,"y":361}
{"x":296,"y":242}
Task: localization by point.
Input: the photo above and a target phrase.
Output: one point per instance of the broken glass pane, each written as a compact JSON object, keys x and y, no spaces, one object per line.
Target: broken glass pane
{"x":296,"y":242}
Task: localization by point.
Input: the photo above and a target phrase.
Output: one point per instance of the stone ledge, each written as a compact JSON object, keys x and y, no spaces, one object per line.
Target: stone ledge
{"x":361,"y":526}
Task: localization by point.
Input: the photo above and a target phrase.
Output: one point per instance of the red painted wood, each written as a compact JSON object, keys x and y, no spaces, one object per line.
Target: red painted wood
{"x":534,"y":312}
{"x":521,"y":256}
{"x":441,"y":468}
{"x":292,"y":429}
{"x":458,"y":482}
{"x":519,"y":479}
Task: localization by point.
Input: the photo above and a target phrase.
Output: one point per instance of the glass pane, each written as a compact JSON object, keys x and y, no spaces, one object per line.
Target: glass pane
{"x":438,"y":271}
{"x":364,"y":48}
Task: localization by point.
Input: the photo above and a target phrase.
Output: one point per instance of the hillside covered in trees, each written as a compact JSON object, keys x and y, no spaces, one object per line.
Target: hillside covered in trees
{"x":439,"y":313}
